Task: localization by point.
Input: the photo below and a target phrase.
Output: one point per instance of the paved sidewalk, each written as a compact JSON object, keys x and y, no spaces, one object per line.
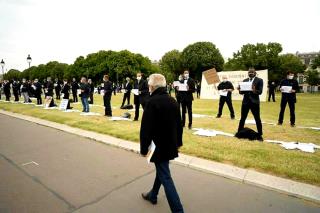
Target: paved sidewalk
{"x":294,"y":188}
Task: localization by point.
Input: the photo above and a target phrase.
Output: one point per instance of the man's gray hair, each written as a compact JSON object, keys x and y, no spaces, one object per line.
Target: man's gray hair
{"x":157,"y":80}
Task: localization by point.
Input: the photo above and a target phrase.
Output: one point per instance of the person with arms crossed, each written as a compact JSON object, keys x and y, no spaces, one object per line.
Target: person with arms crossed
{"x":251,"y":101}
{"x":161,"y":115}
{"x":288,"y":88}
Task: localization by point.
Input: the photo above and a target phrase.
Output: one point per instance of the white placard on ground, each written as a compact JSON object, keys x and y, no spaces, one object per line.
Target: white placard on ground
{"x":64,"y":104}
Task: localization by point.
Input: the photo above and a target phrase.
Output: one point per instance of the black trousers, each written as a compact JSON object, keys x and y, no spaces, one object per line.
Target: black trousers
{"x":271,"y":94}
{"x":75,"y":97}
{"x":91,"y":98}
{"x":283,"y":105}
{"x":39,"y":99}
{"x":222,"y":100}
{"x":107,"y":105}
{"x":57,"y":94}
{"x":126,"y":96}
{"x":16,"y":95}
{"x":186,"y":106}
{"x":140,"y":100}
{"x":255,"y":109}
{"x":7,"y":94}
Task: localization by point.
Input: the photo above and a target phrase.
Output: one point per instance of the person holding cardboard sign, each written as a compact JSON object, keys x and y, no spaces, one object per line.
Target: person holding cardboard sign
{"x":251,"y":101}
{"x":65,"y":91}
{"x":141,"y":86}
{"x":288,"y":88}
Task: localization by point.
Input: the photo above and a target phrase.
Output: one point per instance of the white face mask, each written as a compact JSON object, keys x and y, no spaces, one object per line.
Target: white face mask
{"x":186,"y":76}
{"x":225,"y":80}
{"x":290,"y":77}
{"x":139,"y":78}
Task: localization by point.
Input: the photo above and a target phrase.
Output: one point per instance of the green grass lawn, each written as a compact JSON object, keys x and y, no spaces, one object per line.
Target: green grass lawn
{"x":264,"y":157}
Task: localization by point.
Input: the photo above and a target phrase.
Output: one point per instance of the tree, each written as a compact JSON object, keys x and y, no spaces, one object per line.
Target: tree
{"x":316,"y":62}
{"x":201,"y":56}
{"x":313,"y":78}
{"x":12,"y":75}
{"x":171,"y":65}
{"x":290,"y":62}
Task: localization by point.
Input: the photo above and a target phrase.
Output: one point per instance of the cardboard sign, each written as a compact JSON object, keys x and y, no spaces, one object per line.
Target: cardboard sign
{"x":47,"y":101}
{"x":64,"y":104}
{"x":211,"y":76}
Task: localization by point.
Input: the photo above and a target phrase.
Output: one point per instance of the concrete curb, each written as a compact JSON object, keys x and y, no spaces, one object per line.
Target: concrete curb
{"x":301,"y":190}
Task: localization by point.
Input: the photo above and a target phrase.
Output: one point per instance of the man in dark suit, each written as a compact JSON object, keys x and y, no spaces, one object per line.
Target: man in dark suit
{"x":74,"y":88}
{"x":66,"y":92}
{"x":107,"y":88}
{"x":57,"y":88}
{"x":127,"y":92}
{"x":272,"y":87}
{"x":251,"y":101}
{"x":6,"y":89}
{"x":186,"y":98}
{"x":143,"y":93}
{"x":15,"y":88}
{"x":49,"y":92}
{"x":91,"y":91}
{"x":37,"y":91}
{"x":161,"y":115}
{"x":288,"y":97}
{"x":225,"y":86}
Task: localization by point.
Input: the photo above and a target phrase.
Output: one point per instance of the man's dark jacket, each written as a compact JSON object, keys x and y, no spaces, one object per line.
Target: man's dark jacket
{"x":143,"y":87}
{"x":295,"y":86}
{"x":187,"y":96}
{"x":253,"y":96}
{"x":161,"y":123}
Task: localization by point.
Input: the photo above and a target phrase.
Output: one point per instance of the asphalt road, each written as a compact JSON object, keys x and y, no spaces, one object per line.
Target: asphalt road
{"x":47,"y":170}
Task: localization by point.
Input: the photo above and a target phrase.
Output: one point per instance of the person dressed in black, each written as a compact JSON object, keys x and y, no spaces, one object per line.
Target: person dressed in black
{"x":24,"y":90}
{"x":107,"y":90}
{"x":65,"y":90}
{"x":272,"y":87}
{"x":127,"y":92}
{"x":1,"y":85}
{"x":37,"y":91}
{"x":74,"y":88}
{"x":57,"y":88}
{"x":251,"y":101}
{"x":225,"y":89}
{"x":91,"y":91}
{"x":288,"y":88}
{"x":161,"y":123}
{"x":85,"y":93}
{"x":143,"y":93}
{"x":6,"y":89}
{"x":15,"y":89}
{"x":198,"y":89}
{"x":49,"y":91}
{"x":187,"y":98}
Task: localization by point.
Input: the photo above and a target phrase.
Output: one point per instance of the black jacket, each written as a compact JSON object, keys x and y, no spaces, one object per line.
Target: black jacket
{"x":38,"y":89}
{"x":74,"y":86}
{"x":6,"y":88}
{"x":65,"y":91}
{"x":161,"y":123}
{"x":49,"y":88}
{"x":107,"y":87}
{"x":295,"y":86}
{"x":85,"y":90}
{"x":226,"y":85}
{"x":187,"y":96}
{"x":24,"y":87}
{"x":253,"y":96}
{"x":128,"y":87}
{"x":143,"y":88}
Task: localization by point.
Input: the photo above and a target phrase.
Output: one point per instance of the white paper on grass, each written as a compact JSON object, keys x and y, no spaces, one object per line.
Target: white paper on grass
{"x":245,"y":86}
{"x":223,"y":93}
{"x":201,"y":116}
{"x":135,"y":91}
{"x":305,"y":147}
{"x":286,"y":89}
{"x":183,"y":87}
{"x":210,"y":133}
{"x":90,"y":114}
{"x":114,"y":118}
{"x":151,"y":150}
{"x":71,"y":110}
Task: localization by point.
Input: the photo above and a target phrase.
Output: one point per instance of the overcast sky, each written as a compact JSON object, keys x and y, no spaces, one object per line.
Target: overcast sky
{"x":62,"y":30}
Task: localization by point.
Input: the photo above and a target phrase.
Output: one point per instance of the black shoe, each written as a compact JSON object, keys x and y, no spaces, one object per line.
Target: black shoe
{"x":293,"y":125}
{"x":279,"y":123}
{"x":218,"y":116}
{"x":260,"y":139}
{"x":190,"y":126}
{"x":232,"y":118}
{"x":135,"y":119}
{"x":145,"y":196}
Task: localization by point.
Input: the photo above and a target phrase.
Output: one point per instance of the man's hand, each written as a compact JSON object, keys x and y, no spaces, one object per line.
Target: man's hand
{"x":293,"y":91}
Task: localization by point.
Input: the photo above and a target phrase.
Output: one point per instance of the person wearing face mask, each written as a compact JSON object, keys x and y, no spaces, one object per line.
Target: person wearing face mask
{"x":127,"y":92}
{"x":187,"y":98}
{"x":288,"y":96}
{"x":107,"y":88}
{"x":225,"y":86}
{"x":161,"y":123}
{"x":272,"y":86}
{"x":24,"y":90}
{"x":15,"y":88}
{"x":65,"y":91}
{"x":142,"y":97}
{"x":37,"y":91}
{"x":251,"y":102}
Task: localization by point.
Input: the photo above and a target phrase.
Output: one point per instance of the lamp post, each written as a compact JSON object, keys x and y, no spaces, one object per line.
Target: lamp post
{"x":29,"y":59}
{"x":2,"y":65}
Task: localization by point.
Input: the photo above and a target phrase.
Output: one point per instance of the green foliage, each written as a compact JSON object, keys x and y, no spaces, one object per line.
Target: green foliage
{"x":290,"y":62}
{"x":313,"y":77}
{"x":201,"y":56}
{"x":12,"y":74}
{"x":316,"y":62}
{"x":171,"y":65}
